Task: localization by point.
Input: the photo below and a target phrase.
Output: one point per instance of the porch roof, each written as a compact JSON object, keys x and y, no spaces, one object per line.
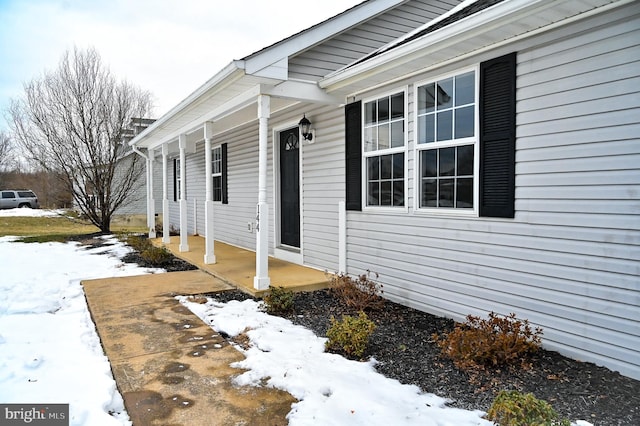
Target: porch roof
{"x":229,"y":98}
{"x":473,"y":28}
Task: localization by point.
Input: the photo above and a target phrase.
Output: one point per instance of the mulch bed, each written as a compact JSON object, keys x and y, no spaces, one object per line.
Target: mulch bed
{"x":403,"y":346}
{"x":405,"y":351}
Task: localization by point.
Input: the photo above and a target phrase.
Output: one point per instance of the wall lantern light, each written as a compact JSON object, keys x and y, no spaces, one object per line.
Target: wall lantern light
{"x":305,"y":128}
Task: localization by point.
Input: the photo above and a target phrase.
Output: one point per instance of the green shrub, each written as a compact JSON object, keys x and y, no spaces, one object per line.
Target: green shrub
{"x":279,"y":300}
{"x":359,"y":293}
{"x":351,"y":334}
{"x":139,"y":243}
{"x":157,"y":256}
{"x":497,"y":341}
{"x":513,"y":408}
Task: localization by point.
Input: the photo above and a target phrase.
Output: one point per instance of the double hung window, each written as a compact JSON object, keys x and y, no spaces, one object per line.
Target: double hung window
{"x":447,"y":142}
{"x":384,"y":150}
{"x":176,"y":180}
{"x":216,"y":172}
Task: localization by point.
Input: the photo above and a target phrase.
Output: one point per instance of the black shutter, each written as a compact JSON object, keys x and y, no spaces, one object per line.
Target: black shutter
{"x":353,"y":139}
{"x":225,"y":197}
{"x":498,"y":136}
{"x":175,"y":180}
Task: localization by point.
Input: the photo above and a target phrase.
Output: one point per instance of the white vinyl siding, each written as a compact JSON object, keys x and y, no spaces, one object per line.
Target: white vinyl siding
{"x":365,"y":38}
{"x":568,"y":261}
{"x":322,"y":187}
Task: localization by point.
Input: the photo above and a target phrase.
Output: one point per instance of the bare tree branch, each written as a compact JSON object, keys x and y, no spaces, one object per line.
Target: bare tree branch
{"x":71,"y":121}
{"x":6,"y":151}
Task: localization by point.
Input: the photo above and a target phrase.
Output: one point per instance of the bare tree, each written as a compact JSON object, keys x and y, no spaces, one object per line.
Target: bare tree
{"x":71,"y":121}
{"x":6,"y":151}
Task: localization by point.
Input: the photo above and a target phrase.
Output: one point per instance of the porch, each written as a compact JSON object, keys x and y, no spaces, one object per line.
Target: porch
{"x":237,"y":266}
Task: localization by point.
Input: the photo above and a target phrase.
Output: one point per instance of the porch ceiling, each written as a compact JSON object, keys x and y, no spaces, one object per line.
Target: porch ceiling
{"x":490,"y":28}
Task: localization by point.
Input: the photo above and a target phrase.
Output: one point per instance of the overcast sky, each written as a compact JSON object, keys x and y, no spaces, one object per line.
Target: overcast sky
{"x":169,"y":47}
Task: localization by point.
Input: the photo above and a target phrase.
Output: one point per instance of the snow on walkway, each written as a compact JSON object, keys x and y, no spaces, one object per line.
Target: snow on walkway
{"x":49,"y":349}
{"x":332,"y":390}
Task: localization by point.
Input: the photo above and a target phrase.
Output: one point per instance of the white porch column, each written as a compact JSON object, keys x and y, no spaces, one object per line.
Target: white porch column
{"x":165,"y":197}
{"x":151,"y":202}
{"x":184,"y":243}
{"x":209,"y":253}
{"x":262,"y":281}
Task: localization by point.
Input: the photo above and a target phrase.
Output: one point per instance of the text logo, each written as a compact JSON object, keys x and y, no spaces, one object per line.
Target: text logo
{"x":34,"y":414}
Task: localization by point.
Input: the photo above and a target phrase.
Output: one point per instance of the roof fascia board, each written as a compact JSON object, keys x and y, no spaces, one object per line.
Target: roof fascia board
{"x":232,"y":72}
{"x":294,"y":90}
{"x":466,"y":28}
{"x":316,"y":34}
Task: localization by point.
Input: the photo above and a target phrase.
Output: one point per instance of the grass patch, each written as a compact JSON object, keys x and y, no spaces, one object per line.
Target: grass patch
{"x":57,"y":228}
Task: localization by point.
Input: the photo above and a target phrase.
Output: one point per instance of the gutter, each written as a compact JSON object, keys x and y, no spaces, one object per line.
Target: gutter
{"x":445,"y":36}
{"x":137,"y":151}
{"x":233,"y":68}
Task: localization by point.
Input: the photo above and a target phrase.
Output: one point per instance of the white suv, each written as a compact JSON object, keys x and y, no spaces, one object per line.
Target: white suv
{"x":10,"y":199}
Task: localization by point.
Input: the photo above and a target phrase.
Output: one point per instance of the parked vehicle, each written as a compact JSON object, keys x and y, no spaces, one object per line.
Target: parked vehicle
{"x":10,"y":199}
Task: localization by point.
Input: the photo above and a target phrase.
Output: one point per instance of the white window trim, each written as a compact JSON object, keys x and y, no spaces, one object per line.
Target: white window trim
{"x":444,"y":211}
{"x":404,"y":149}
{"x":216,"y":174}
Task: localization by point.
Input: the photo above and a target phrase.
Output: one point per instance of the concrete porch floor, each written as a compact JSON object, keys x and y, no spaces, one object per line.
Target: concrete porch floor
{"x":237,"y":266}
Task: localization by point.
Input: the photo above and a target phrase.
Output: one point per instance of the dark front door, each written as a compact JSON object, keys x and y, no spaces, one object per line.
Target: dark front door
{"x":290,"y":188}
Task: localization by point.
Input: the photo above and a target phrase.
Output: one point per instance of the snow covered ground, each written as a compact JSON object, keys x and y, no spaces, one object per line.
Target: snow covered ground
{"x":24,"y":212}
{"x":50,"y":351}
{"x":332,"y":390}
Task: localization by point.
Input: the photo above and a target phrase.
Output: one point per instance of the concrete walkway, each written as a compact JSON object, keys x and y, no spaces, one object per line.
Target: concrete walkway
{"x":170,"y":367}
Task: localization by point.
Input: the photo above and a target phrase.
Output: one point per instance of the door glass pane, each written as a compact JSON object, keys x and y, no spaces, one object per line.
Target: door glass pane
{"x":447,"y":162}
{"x":464,"y":122}
{"x":397,"y":106}
{"x":445,"y":93}
{"x":383,"y":137}
{"x":426,"y":98}
{"x":445,"y":125}
{"x":465,"y":88}
{"x":383,"y":109}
